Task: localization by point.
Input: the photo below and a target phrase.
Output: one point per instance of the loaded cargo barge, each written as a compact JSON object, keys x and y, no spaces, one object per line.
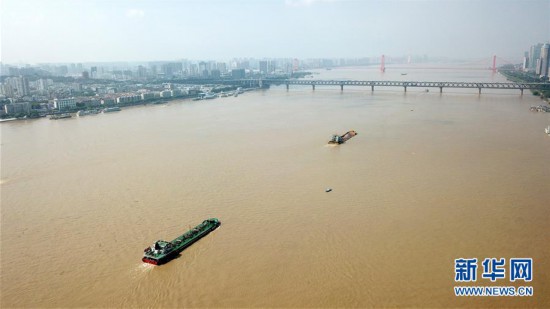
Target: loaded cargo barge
{"x":163,"y":251}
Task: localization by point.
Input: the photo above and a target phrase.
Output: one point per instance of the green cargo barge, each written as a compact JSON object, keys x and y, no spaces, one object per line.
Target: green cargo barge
{"x":163,"y":251}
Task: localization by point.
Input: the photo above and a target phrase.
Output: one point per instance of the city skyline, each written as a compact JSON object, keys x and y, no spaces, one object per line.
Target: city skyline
{"x":132,"y":31}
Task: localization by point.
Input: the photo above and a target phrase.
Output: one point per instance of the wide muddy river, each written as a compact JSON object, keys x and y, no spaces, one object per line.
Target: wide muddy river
{"x":429,"y":178}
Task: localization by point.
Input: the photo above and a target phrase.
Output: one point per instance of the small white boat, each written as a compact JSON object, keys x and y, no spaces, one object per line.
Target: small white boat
{"x":111,"y":109}
{"x":83,"y":113}
{"x":210,"y":96}
{"x":547,"y":130}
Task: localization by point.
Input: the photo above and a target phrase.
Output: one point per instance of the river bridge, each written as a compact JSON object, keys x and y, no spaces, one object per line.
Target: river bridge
{"x":408,"y":84}
{"x":370,"y":83}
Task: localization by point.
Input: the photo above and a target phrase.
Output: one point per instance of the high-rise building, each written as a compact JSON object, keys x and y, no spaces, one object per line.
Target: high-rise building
{"x":238,"y":73}
{"x":177,"y":68}
{"x":222,"y":67}
{"x":537,"y":67}
{"x":141,"y":72}
{"x":526,"y":59}
{"x":272,"y":66}
{"x":193,"y":69}
{"x":203,"y":70}
{"x":263,"y":67}
{"x":215,"y":74}
{"x":20,"y":85}
{"x":153,"y":69}
{"x":243,"y":64}
{"x":534,"y":54}
{"x":3,"y":69}
{"x":295,"y":64}
{"x":12,"y":71}
{"x":544,"y":60}
{"x":61,"y":70}
{"x":185,"y":66}
{"x":7,"y":90}
{"x":42,"y":84}
{"x":211,"y":66}
{"x":93,"y":72}
{"x":167,"y":70}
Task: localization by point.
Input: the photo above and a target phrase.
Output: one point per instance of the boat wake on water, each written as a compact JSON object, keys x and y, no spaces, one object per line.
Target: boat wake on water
{"x":140,"y":270}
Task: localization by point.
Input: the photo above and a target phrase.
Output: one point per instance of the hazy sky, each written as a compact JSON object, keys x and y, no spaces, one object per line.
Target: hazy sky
{"x":139,"y":30}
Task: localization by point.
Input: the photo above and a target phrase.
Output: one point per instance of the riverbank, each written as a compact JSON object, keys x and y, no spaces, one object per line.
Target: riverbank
{"x":156,"y":101}
{"x":522,"y":77}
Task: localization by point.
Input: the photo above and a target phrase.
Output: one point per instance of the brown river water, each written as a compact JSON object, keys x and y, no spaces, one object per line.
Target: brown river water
{"x":429,"y":178}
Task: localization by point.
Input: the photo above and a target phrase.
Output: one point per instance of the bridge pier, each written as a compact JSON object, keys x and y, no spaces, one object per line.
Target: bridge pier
{"x":521,"y":91}
{"x":342,"y":87}
{"x":371,"y":88}
{"x":405,"y":88}
{"x":440,"y":89}
{"x":479,"y":90}
{"x":286,"y":86}
{"x":313,"y":86}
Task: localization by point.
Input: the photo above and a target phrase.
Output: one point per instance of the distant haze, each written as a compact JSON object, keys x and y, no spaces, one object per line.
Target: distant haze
{"x":34,"y":31}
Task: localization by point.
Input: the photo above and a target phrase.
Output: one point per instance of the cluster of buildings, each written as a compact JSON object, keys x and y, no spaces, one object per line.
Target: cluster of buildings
{"x":43,"y":88}
{"x":46,"y":87}
{"x":537,"y":60}
{"x":15,"y":87}
{"x":162,"y":70}
{"x":20,"y":97}
{"x":125,"y":98}
{"x":157,"y":70}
